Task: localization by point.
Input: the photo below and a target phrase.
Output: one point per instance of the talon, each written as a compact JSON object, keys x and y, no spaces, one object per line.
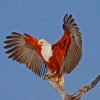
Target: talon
{"x":44,"y":77}
{"x":49,"y":75}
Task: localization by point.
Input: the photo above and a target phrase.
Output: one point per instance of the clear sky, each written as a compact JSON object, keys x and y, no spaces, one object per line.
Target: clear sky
{"x":43,"y":19}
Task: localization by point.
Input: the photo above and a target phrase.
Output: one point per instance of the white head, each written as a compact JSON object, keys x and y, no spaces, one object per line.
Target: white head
{"x":42,"y":42}
{"x":46,"y":50}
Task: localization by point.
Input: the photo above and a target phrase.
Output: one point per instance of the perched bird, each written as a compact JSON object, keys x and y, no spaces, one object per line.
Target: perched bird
{"x":50,"y":61}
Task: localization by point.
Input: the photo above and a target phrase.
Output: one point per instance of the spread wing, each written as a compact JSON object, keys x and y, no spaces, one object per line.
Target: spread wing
{"x":74,"y":52}
{"x":69,"y":46}
{"x":24,"y":49}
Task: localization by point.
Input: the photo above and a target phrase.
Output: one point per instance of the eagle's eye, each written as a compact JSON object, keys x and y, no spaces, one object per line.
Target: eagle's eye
{"x":41,"y":42}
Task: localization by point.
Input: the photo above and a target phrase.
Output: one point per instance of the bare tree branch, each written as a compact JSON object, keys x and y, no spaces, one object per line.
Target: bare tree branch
{"x":78,"y":94}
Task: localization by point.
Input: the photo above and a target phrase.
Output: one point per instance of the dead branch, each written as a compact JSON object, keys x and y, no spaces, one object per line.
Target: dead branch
{"x":78,"y":94}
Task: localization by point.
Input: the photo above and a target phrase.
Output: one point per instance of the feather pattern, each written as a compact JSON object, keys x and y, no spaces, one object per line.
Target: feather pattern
{"x":74,"y":52}
{"x":24,"y":53}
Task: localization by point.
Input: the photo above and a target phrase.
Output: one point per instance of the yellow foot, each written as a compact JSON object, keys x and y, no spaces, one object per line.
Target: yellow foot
{"x":49,"y":75}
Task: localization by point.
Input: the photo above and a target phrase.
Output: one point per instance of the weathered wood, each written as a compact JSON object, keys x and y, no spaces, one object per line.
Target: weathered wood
{"x":78,"y":94}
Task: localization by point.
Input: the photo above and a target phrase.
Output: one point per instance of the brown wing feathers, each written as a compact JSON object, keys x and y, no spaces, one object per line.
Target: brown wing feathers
{"x":74,"y":52}
{"x":22,"y":52}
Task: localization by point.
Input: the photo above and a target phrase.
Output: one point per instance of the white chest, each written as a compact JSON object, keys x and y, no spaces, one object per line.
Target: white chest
{"x":46,"y":52}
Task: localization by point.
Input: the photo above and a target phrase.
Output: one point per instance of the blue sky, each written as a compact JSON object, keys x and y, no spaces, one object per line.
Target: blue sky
{"x":43,"y":19}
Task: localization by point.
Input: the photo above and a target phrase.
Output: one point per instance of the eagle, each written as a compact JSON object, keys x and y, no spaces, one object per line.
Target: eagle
{"x":47,"y":60}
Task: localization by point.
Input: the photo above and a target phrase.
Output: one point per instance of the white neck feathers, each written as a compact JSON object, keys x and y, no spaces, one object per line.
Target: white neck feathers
{"x":46,"y":51}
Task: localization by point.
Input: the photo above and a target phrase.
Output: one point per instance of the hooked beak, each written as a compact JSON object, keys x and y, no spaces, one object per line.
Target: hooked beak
{"x":40,"y":43}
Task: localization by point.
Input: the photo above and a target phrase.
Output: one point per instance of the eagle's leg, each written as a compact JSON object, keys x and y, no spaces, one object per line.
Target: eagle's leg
{"x":49,"y":75}
{"x":54,"y":77}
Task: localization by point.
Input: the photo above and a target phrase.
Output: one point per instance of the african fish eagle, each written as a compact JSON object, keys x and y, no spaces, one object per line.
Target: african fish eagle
{"x":45,"y":59}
